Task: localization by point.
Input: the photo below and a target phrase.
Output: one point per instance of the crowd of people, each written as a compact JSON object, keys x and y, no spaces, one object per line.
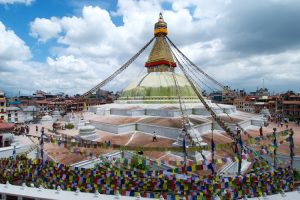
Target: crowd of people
{"x":21,"y":129}
{"x":282,"y":121}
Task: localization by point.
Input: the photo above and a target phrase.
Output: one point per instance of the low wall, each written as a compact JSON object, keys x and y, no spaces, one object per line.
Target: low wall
{"x":162,"y":113}
{"x":92,"y":109}
{"x":159,"y":130}
{"x":8,"y":191}
{"x":103,"y":112}
{"x":203,"y":111}
{"x":230,"y":110}
{"x":124,"y":112}
{"x":257,"y":122}
{"x":200,"y":111}
{"x":6,"y":152}
{"x":245,"y":124}
{"x":202,"y":128}
{"x":217,"y":126}
{"x":114,"y":128}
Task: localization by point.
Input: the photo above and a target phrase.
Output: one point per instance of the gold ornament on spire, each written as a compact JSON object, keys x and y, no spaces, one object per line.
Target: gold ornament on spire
{"x":160,"y":27}
{"x":160,"y":58}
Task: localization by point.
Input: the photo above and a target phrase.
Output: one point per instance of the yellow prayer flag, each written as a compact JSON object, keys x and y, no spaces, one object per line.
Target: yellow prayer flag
{"x":193,"y":168}
{"x":236,"y":158}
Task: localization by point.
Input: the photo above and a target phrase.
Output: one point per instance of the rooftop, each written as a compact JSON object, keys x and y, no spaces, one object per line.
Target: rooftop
{"x":6,"y":126}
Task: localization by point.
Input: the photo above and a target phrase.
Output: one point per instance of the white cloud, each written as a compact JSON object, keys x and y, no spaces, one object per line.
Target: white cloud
{"x":27,"y":2}
{"x":67,"y":64}
{"x":11,"y":46}
{"x":45,"y":29}
{"x":90,"y":46}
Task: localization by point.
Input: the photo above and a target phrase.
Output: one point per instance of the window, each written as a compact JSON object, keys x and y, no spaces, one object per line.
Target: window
{"x":2,"y":110}
{"x":9,"y":115}
{"x":16,"y":114}
{"x":2,"y":104}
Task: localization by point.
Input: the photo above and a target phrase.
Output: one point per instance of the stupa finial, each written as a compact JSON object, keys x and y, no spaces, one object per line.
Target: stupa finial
{"x":160,"y":27}
{"x":161,"y":18}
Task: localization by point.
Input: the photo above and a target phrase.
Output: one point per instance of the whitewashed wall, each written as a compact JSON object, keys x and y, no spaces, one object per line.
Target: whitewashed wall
{"x":163,"y":131}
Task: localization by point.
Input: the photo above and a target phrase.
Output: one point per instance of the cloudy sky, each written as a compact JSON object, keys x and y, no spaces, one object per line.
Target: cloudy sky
{"x":71,"y":45}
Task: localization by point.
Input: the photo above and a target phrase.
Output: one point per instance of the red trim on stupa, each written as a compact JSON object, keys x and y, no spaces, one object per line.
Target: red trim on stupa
{"x":160,"y":62}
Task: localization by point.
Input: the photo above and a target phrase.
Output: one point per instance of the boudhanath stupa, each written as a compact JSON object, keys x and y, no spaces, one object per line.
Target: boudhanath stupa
{"x":150,"y":104}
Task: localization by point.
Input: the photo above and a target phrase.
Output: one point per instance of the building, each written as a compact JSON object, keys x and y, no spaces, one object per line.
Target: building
{"x":6,"y":137}
{"x":30,"y":113}
{"x":227,"y":96}
{"x":150,"y":104}
{"x":260,"y":92}
{"x":245,"y":104}
{"x":14,"y":114}
{"x":289,"y":105}
{"x":3,"y":115}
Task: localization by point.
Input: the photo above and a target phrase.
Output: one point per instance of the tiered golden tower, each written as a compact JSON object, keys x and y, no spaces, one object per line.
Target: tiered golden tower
{"x":160,"y":58}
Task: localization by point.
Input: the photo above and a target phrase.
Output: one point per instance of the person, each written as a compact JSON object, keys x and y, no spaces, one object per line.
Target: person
{"x":22,"y":130}
{"x":36,"y":129}
{"x":154,"y":137}
{"x":261,"y":131}
{"x":109,"y":143}
{"x":238,"y":131}
{"x":286,"y":124}
{"x":281,"y":123}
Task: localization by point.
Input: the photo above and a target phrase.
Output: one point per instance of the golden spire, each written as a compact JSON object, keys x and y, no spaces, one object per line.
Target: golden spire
{"x":160,"y":27}
{"x":160,"y":58}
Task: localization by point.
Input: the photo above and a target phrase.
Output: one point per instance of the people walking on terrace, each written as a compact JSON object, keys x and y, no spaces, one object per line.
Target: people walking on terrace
{"x":154,"y":137}
{"x":36,"y":129}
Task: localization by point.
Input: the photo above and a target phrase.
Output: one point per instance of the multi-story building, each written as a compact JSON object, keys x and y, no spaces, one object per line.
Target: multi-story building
{"x":30,"y":113}
{"x":226,"y":96}
{"x":262,"y":102}
{"x":42,"y":105}
{"x":289,"y":105}
{"x":14,"y":114}
{"x":245,"y":104}
{"x":3,"y":115}
{"x":33,"y":107}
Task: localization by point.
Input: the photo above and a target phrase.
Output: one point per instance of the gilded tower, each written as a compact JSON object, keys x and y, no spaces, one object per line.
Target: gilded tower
{"x":160,"y":58}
